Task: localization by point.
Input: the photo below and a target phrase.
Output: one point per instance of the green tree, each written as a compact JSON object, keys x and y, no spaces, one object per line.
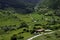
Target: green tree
{"x":23,"y":24}
{"x":14,"y":37}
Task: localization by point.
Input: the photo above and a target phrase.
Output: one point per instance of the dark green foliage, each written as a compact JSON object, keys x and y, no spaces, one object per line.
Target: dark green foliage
{"x":14,"y":37}
{"x":23,"y":6}
{"x":54,"y":4}
{"x":23,"y":24}
{"x":37,"y":25}
{"x":21,"y":37}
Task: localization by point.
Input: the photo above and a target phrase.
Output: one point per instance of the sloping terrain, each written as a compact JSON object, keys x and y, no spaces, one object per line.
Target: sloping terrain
{"x":53,"y":36}
{"x":18,"y":26}
{"x":23,"y":24}
{"x":24,"y":6}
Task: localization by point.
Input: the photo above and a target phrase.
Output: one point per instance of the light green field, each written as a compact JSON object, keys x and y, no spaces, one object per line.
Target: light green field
{"x":16,"y":19}
{"x":53,"y":36}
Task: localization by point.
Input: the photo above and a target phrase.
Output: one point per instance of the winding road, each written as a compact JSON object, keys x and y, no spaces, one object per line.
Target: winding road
{"x":40,"y":35}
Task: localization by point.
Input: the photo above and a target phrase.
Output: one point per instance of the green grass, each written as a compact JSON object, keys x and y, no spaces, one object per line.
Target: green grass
{"x":8,"y":36}
{"x":6,"y":19}
{"x":49,"y":36}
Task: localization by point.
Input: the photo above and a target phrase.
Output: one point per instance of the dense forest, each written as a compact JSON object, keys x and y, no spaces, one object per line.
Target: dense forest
{"x":25,"y":6}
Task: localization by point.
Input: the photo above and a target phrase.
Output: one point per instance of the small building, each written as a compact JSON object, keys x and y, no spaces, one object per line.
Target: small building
{"x":40,"y":30}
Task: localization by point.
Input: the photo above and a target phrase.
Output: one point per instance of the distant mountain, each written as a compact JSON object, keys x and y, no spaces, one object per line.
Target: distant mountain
{"x":25,"y":6}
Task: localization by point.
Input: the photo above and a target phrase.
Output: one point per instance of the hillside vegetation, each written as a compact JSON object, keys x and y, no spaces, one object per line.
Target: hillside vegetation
{"x":22,"y":6}
{"x":20,"y":26}
{"x":53,"y":36}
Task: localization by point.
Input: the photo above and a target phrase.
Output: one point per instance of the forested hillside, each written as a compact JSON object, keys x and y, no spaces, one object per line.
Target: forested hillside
{"x":28,"y":19}
{"x":25,"y":6}
{"x":46,"y":5}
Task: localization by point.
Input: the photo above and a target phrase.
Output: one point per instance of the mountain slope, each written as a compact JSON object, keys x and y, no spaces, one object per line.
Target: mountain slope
{"x":20,"y":5}
{"x":47,"y":5}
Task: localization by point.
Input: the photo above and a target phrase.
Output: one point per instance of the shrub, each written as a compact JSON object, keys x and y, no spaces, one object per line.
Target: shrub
{"x":14,"y":37}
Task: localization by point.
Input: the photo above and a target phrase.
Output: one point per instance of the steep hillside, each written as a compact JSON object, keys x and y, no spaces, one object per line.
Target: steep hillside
{"x":23,"y":25}
{"x":25,"y":6}
{"x":47,"y":5}
{"x":17,"y":26}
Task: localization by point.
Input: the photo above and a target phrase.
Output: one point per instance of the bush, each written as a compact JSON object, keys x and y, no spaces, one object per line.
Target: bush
{"x":14,"y":37}
{"x":23,"y":25}
{"x":20,"y":37}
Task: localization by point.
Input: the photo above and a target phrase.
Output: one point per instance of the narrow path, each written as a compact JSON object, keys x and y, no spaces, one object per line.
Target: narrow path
{"x":40,"y":35}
